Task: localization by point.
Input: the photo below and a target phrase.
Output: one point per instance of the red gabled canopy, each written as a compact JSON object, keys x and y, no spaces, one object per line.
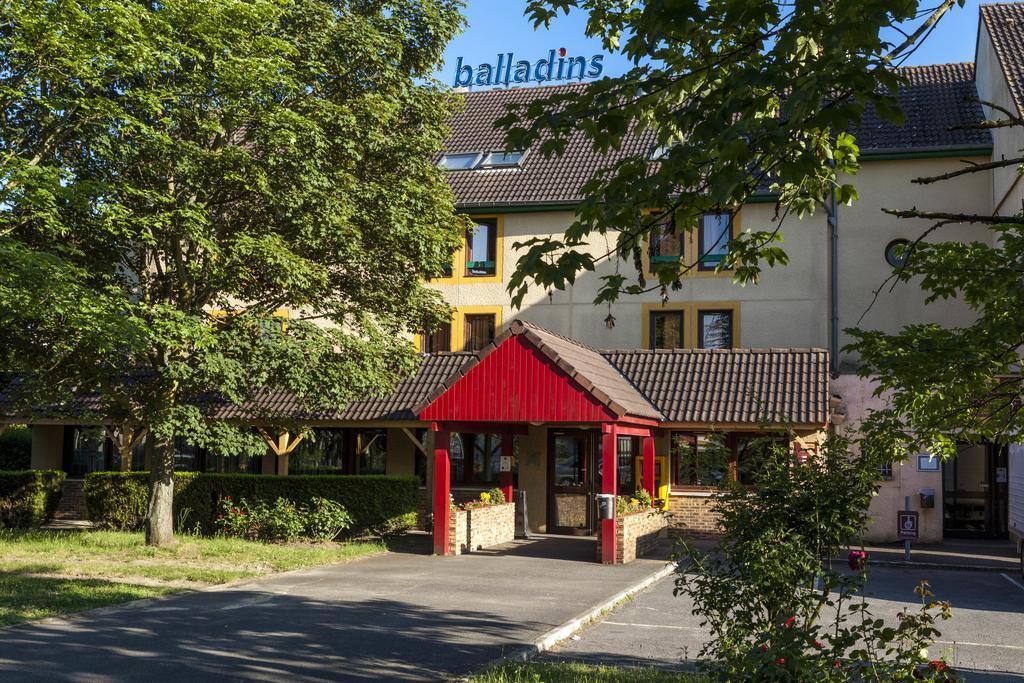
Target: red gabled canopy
{"x":532,"y":375}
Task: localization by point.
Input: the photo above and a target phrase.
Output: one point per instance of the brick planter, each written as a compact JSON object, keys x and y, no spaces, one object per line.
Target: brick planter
{"x":692,"y":515}
{"x":481,"y":527}
{"x":636,"y":534}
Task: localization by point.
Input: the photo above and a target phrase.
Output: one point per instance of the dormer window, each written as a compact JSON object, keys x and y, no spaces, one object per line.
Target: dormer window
{"x":503,"y":159}
{"x":460,"y":162}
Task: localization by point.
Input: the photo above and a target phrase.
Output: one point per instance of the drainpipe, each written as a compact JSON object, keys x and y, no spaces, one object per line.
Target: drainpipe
{"x":832,"y":211}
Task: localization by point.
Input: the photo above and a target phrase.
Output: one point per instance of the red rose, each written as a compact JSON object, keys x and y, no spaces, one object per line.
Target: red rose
{"x":857,"y":559}
{"x":938,"y":664}
{"x":764,"y":648}
{"x":780,"y":661}
{"x":790,"y":622}
{"x":818,"y":644}
{"x":837,"y":664}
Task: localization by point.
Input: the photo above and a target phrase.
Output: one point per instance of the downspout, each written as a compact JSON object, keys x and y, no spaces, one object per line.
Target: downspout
{"x":832,"y":210}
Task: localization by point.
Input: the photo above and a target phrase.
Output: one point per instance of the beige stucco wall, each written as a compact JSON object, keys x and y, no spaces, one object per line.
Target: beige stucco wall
{"x":864,"y":232}
{"x":858,"y":400}
{"x":47,"y":447}
{"x":1007,"y":192}
{"x":789,"y":307}
{"x":783,"y":310}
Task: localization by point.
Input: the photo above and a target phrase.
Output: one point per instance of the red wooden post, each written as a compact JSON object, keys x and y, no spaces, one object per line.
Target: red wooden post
{"x":609,"y":484}
{"x":442,"y":491}
{"x":506,"y":477}
{"x":649,"y":482}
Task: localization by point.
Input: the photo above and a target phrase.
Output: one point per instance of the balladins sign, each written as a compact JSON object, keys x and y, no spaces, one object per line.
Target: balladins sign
{"x":507,"y":70}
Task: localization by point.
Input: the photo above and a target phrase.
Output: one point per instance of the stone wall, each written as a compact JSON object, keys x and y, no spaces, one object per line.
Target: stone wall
{"x":491,"y":525}
{"x":636,"y":534}
{"x":691,"y":515}
{"x":481,"y":527}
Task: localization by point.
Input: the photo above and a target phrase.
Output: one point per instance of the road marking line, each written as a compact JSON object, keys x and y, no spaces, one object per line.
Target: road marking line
{"x":969,"y":643}
{"x":1012,"y":580}
{"x":635,"y":625}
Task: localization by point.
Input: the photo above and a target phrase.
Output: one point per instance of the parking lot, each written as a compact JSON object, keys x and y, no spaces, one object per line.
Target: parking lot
{"x":984,"y":640}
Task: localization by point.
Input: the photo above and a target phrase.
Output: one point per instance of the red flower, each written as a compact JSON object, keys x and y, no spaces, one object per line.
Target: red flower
{"x":837,"y":664}
{"x":790,"y":622}
{"x":764,"y":648}
{"x":857,"y":559}
{"x":818,"y":644}
{"x":938,"y":664}
{"x":227,"y":497}
{"x":780,"y":661}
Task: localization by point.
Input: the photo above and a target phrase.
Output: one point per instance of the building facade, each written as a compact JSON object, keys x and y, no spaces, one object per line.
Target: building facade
{"x":693,"y":361}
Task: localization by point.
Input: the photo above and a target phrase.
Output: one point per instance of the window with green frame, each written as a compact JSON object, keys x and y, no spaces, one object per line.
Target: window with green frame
{"x":714,"y":233}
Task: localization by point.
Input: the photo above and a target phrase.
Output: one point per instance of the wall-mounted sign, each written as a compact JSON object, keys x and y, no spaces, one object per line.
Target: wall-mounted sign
{"x":926,"y":462}
{"x":505,"y":463}
{"x":506,"y":69}
{"x":906,"y":524}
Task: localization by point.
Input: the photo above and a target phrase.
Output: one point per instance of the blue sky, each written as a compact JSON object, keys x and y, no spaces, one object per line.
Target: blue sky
{"x":498,"y":26}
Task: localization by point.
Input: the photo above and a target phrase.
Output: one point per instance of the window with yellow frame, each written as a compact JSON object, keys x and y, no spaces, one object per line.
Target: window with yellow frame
{"x":479,"y":259}
{"x":703,"y":248}
{"x":703,"y":325}
{"x":472,"y":328}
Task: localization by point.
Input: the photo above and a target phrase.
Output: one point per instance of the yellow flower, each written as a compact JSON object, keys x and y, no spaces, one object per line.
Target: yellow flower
{"x":634,"y":502}
{"x":485,"y":497}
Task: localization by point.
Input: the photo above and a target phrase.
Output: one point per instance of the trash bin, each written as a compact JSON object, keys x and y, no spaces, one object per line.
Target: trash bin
{"x":606,"y":506}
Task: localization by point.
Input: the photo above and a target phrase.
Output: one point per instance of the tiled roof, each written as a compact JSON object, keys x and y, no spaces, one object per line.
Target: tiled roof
{"x":933,"y":101}
{"x":1005,"y":25}
{"x":719,"y":387}
{"x":586,"y":366}
{"x":398,"y":405}
{"x":730,"y":386}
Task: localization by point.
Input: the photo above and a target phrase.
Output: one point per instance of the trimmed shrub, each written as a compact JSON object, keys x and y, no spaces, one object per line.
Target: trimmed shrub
{"x":29,"y":498}
{"x":323,"y":520}
{"x":379,"y":505}
{"x":15,"y":448}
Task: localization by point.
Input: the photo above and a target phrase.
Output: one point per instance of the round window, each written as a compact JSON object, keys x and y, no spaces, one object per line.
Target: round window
{"x":896,"y":253}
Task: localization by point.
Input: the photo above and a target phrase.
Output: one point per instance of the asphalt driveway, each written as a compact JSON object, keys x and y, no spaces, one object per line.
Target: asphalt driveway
{"x":400,"y":616}
{"x":984,"y":640}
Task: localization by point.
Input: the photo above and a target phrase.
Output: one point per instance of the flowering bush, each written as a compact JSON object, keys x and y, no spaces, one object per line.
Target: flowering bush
{"x":493,"y":496}
{"x":284,"y":521}
{"x":774,"y":605}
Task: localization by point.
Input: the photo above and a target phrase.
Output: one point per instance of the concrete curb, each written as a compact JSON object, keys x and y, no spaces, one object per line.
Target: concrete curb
{"x":874,"y":561}
{"x":900,"y":564}
{"x":560,"y":633}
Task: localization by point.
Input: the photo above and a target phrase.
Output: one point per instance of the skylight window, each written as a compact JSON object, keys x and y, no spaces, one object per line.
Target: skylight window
{"x":460,"y":162}
{"x":503,"y":159}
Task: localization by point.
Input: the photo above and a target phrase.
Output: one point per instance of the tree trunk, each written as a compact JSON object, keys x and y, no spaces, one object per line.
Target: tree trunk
{"x":160,"y":518}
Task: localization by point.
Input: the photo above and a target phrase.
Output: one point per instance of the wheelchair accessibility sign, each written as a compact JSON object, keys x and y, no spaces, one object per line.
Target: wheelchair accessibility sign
{"x":906,"y":521}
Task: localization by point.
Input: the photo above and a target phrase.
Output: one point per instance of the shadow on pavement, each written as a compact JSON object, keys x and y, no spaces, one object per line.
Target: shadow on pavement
{"x":213,"y":636}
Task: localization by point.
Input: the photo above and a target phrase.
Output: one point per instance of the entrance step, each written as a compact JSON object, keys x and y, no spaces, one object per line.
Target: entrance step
{"x":72,"y":502}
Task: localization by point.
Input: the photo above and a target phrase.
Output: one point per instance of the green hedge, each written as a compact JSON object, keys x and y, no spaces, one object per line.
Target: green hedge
{"x":379,"y":505}
{"x":15,"y":448}
{"x":29,"y":498}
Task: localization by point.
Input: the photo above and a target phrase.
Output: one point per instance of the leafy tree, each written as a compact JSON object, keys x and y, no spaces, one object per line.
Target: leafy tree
{"x":173,"y":173}
{"x":741,"y":96}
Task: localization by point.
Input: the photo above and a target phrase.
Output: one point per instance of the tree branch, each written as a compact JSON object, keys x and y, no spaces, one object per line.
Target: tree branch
{"x":956,"y":217}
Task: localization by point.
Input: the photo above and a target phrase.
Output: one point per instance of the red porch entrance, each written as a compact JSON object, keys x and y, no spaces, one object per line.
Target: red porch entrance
{"x":530,"y":376}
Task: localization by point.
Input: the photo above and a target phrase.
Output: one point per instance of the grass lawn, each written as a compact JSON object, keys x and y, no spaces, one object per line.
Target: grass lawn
{"x":572,"y":672}
{"x":47,"y":573}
